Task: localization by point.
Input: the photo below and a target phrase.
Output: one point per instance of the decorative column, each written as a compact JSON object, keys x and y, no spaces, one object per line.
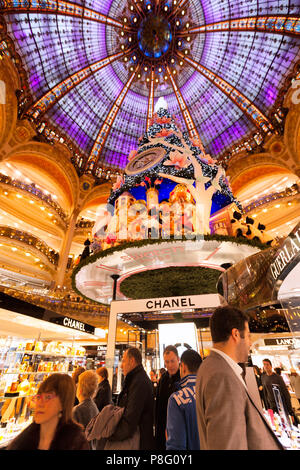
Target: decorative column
{"x":112,"y":332}
{"x":65,"y":249}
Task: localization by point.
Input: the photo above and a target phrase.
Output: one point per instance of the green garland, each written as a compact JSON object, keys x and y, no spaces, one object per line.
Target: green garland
{"x":171,"y":282}
{"x":140,"y":243}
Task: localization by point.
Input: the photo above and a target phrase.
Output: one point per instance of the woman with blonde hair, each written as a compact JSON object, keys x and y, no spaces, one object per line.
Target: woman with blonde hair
{"x":86,"y":390}
{"x":52,"y":427}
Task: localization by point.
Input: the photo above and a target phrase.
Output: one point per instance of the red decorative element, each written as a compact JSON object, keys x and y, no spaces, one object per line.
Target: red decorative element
{"x":132,"y":155}
{"x":163,"y":133}
{"x":157,"y":181}
{"x":118,"y":183}
{"x":163,"y":120}
{"x":196,"y":143}
{"x":111,"y":238}
{"x":177,"y":159}
{"x":207,"y":159}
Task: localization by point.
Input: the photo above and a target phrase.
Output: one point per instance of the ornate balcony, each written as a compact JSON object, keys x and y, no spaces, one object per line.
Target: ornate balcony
{"x":36,"y":193}
{"x":290,"y":192}
{"x":30,"y":240}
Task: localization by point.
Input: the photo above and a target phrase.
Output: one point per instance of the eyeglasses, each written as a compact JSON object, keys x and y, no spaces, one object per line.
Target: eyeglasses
{"x":44,"y":396}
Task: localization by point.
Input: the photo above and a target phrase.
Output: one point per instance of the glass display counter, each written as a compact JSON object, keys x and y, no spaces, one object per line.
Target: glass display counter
{"x":23,"y":366}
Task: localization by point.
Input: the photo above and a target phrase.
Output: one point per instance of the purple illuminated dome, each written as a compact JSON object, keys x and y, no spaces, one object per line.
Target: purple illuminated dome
{"x":154,"y":36}
{"x":93,"y":70}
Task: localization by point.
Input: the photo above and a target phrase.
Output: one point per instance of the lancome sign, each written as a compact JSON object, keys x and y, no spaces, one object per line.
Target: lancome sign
{"x":281,"y":341}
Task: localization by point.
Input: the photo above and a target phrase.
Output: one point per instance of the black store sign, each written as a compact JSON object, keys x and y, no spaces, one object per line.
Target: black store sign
{"x":280,"y":341}
{"x":74,"y":324}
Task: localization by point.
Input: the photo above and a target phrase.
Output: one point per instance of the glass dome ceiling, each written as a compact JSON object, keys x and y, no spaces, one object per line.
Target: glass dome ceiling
{"x":96,"y":68}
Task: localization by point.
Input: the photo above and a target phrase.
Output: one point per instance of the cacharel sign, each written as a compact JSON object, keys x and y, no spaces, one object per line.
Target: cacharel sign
{"x":290,"y":249}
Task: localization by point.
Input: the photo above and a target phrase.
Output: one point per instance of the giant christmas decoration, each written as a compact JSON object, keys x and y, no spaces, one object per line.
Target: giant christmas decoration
{"x":167,"y":191}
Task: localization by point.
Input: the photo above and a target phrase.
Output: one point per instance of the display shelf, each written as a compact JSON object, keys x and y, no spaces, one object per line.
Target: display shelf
{"x":27,"y":372}
{"x":12,"y":429}
{"x":20,"y":377}
{"x":44,"y":353}
{"x":17,"y":396}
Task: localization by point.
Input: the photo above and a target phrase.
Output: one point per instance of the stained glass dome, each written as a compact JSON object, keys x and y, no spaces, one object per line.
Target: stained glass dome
{"x":96,"y":68}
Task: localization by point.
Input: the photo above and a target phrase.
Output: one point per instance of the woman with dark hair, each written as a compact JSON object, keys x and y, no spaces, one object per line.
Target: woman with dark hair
{"x":103,"y":395}
{"x":75,"y":377}
{"x":52,"y":427}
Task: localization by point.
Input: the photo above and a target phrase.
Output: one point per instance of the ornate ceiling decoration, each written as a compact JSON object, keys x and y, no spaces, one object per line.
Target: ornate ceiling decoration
{"x":96,"y":68}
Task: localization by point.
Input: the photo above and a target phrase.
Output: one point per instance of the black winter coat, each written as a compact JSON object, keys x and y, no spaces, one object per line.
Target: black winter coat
{"x":103,"y":395}
{"x":166,"y":386}
{"x":137,"y":399}
{"x":69,"y":436}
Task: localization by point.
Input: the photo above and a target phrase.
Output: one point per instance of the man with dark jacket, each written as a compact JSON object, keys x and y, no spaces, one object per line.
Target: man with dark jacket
{"x":182,"y":429}
{"x":271,"y":378}
{"x":137,"y":399}
{"x":166,"y":387}
{"x":103,"y":396}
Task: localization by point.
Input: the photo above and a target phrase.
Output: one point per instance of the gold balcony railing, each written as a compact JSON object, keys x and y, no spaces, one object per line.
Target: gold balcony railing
{"x":269,"y":198}
{"x":30,"y":240}
{"x":35,"y":192}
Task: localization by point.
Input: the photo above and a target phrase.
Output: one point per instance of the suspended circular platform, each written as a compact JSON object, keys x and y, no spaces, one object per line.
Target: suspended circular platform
{"x":159,"y":268}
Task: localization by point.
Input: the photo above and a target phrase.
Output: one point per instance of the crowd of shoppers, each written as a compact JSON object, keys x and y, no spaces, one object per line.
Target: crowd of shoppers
{"x":195,"y":404}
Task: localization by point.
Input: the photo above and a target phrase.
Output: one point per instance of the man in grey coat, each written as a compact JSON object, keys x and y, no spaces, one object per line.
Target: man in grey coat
{"x":227,"y":416}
